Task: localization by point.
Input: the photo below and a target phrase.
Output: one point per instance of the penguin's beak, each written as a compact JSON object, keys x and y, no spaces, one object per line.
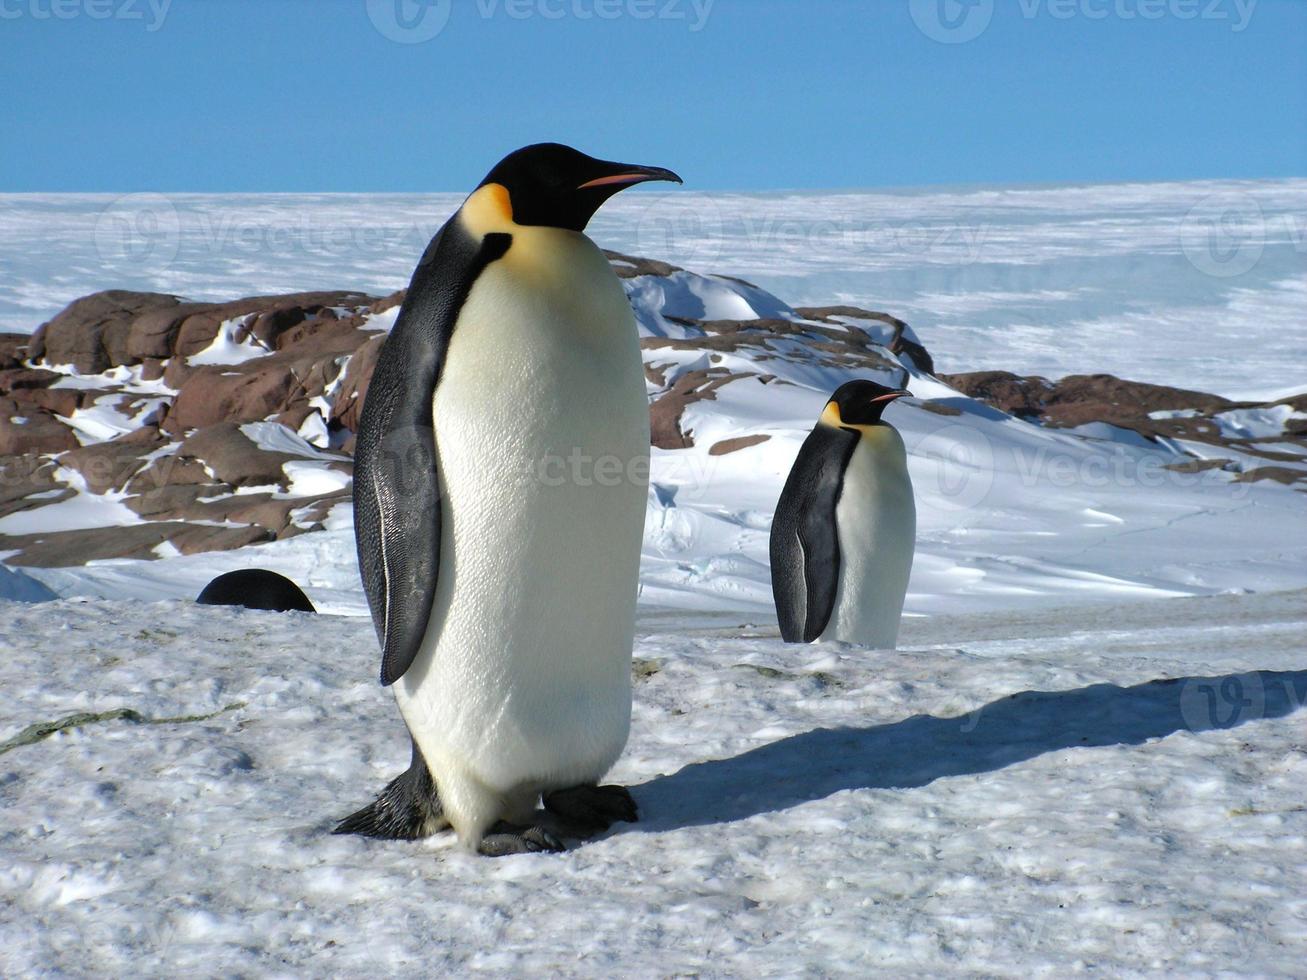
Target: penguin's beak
{"x":627,"y":175}
{"x":890,"y":396}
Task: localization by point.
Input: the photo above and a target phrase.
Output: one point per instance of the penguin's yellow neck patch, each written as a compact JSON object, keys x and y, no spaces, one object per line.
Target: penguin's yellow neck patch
{"x":830,"y":415}
{"x":488,"y":209}
{"x":542,"y":251}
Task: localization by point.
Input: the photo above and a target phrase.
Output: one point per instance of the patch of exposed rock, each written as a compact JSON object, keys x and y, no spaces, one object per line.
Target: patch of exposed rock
{"x":667,"y":407}
{"x":901,"y":339}
{"x":1158,"y":413}
{"x":225,"y":424}
{"x":159,"y":428}
{"x":840,"y":337}
{"x":629,"y":266}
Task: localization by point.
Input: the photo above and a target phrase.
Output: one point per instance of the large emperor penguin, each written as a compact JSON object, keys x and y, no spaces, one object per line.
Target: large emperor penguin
{"x":845,"y":527}
{"x":499,"y":494}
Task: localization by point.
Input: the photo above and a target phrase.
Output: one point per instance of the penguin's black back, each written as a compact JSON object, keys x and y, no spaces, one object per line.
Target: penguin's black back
{"x":805,"y":544}
{"x":255,"y":588}
{"x":397,"y":508}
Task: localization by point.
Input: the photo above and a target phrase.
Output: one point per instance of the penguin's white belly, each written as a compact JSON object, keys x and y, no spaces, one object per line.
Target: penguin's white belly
{"x":542,"y":437}
{"x":876,"y":520}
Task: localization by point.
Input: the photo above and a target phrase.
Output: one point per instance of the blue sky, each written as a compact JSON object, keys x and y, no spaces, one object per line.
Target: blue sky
{"x":304,"y":95}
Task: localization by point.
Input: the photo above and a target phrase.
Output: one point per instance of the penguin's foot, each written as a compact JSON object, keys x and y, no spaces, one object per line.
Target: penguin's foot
{"x":505,"y":839}
{"x":407,"y":809}
{"x":591,"y":810}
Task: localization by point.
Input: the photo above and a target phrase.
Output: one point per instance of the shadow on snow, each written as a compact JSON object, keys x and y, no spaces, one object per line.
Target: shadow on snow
{"x":923,"y":748}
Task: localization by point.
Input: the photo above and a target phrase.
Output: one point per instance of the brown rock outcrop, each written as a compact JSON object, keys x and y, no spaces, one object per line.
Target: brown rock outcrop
{"x":727,"y":446}
{"x":899,"y":342}
{"x":118,"y":327}
{"x":13,"y":350}
{"x":181,"y":468}
{"x":91,"y":333}
{"x":666,"y":409}
{"x":31,"y":429}
{"x":107,"y":466}
{"x":233,"y":458}
{"x":347,"y":405}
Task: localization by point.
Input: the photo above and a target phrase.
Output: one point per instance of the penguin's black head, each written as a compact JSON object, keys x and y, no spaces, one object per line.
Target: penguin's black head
{"x":555,"y":185}
{"x":861,"y":402}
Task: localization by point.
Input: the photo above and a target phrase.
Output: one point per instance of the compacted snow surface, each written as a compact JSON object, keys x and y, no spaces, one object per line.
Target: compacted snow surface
{"x":1106,"y":788}
{"x":1051,"y":775}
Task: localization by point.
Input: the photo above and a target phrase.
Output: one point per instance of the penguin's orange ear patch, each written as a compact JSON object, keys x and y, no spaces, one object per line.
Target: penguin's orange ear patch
{"x":499,"y":200}
{"x":489,"y":209}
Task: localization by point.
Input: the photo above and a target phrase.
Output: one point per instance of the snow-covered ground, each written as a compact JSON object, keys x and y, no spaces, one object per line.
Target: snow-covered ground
{"x":1009,"y":793}
{"x":1107,"y":789}
{"x":1199,"y":284}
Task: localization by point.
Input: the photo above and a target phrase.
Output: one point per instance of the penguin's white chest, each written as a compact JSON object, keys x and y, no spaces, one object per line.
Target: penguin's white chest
{"x":876,"y":520}
{"x":542,"y":441}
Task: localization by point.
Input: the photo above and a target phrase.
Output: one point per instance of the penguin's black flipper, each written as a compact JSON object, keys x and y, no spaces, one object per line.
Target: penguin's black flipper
{"x":407,"y":809}
{"x":397,"y":519}
{"x":805,"y":546}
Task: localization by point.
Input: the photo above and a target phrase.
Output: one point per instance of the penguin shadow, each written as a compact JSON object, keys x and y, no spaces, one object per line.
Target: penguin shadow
{"x":921,"y":749}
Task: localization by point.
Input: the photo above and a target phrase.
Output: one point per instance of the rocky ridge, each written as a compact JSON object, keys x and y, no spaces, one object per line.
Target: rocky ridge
{"x":138,"y":425}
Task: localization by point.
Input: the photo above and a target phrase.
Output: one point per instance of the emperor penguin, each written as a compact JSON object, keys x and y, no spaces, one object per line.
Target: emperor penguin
{"x":845,"y":526}
{"x":500,"y":481}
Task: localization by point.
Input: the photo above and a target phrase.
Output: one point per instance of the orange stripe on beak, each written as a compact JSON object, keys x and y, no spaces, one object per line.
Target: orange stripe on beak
{"x":616,"y":179}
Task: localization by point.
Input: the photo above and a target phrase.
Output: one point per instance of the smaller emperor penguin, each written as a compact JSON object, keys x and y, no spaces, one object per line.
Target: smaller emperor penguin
{"x":845,"y":526}
{"x":500,"y":480}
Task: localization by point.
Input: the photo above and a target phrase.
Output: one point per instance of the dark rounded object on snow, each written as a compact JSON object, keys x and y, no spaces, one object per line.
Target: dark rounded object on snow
{"x":255,"y":588}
